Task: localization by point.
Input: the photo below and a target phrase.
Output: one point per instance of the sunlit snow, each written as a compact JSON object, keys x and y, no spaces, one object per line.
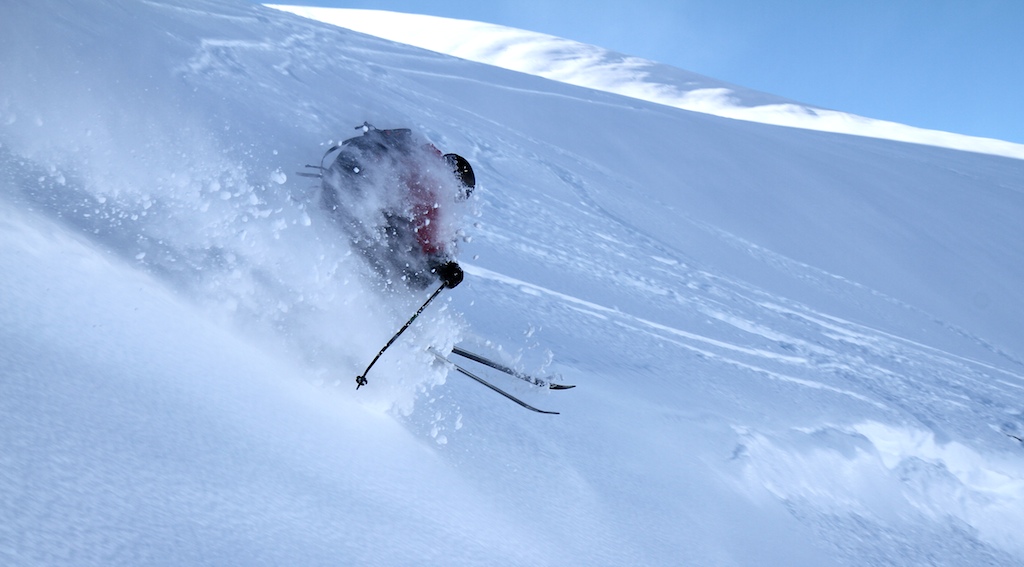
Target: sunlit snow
{"x":590,"y":66}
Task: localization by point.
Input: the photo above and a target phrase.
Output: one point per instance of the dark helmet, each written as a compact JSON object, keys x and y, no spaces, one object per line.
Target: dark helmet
{"x":463,"y":171}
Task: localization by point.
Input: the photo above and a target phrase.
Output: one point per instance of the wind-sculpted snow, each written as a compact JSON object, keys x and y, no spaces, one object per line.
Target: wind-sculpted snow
{"x":790,"y":347}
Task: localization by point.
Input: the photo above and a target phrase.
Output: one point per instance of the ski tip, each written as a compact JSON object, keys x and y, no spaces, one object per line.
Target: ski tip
{"x":561,"y":386}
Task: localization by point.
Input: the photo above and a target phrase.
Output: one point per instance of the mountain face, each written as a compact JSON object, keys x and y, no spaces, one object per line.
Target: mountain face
{"x":790,"y":347}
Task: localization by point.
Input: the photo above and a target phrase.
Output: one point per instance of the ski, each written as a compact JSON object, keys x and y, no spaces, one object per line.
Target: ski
{"x":462,"y":370}
{"x":511,"y":371}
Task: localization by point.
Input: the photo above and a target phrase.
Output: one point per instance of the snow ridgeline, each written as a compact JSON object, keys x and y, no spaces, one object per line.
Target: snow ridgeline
{"x":592,"y":67}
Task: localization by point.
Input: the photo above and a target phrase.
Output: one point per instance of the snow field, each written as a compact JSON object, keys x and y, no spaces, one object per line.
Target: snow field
{"x":791,"y":347}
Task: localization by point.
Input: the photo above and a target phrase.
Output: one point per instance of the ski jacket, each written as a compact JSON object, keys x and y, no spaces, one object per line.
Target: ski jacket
{"x":411,"y":184}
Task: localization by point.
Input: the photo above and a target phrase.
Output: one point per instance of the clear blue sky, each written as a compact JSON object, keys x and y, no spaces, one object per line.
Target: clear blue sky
{"x":954,"y":65}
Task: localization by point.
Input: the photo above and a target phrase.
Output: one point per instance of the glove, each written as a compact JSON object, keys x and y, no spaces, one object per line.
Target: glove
{"x":450,"y":273}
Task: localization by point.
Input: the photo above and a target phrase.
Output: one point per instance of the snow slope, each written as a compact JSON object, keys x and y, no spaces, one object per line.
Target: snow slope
{"x":591,"y":66}
{"x":791,"y":347}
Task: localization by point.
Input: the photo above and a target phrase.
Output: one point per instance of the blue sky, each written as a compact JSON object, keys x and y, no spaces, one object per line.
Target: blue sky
{"x":954,"y":65}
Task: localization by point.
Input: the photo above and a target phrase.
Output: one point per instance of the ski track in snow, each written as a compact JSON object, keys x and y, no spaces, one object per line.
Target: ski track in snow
{"x":669,"y":334}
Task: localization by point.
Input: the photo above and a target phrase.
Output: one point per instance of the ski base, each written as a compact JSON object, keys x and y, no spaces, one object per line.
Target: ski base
{"x":462,"y":370}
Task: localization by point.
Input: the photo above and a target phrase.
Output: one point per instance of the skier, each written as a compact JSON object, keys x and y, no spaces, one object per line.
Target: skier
{"x":393,"y":193}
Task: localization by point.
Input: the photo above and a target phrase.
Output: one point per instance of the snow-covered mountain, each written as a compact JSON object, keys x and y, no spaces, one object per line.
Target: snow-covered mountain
{"x":791,"y":347}
{"x":593,"y":67}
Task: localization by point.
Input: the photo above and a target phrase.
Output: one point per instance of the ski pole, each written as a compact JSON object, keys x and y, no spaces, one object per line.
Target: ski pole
{"x":361,"y":379}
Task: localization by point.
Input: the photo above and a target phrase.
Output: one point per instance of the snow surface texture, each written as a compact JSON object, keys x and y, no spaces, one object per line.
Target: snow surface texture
{"x":791,"y":347}
{"x":591,"y":66}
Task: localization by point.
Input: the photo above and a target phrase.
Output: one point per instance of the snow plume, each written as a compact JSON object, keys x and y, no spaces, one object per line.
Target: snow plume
{"x":184,"y":188}
{"x":253,"y":255}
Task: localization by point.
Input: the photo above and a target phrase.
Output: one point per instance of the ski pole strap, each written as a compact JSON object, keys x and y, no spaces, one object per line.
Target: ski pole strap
{"x":361,"y":379}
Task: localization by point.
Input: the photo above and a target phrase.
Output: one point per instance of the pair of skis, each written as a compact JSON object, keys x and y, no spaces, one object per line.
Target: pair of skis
{"x":540,"y":382}
{"x":362,"y":381}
